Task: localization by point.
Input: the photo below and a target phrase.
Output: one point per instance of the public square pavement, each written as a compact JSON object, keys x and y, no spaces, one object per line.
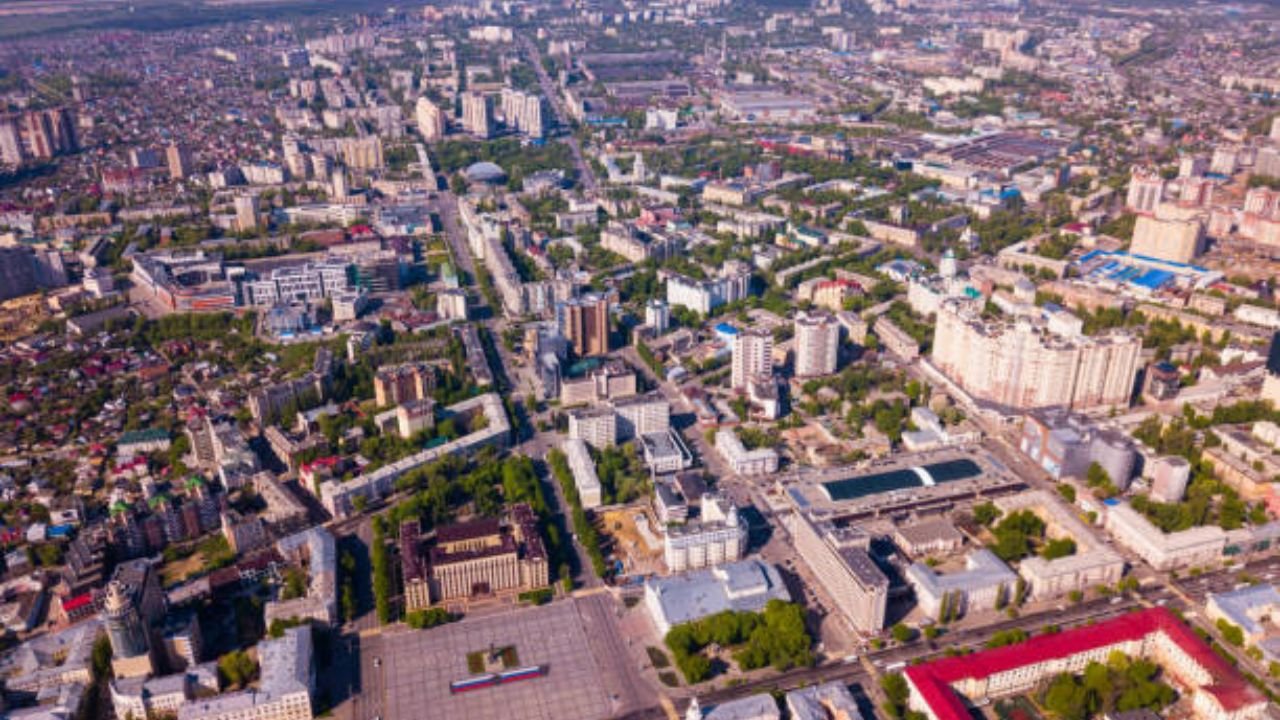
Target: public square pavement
{"x":418,"y":666}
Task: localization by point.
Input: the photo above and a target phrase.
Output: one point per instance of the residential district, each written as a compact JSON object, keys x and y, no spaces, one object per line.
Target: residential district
{"x":717,"y":360}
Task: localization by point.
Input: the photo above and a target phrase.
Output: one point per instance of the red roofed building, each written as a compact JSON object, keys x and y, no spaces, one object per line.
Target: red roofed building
{"x":68,"y":610}
{"x":941,"y":688}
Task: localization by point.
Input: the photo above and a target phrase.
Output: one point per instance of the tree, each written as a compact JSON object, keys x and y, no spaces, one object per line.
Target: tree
{"x":986,"y":513}
{"x":1230,"y":632}
{"x":237,"y":668}
{"x":381,"y":571}
{"x":102,"y":658}
{"x":896,"y":693}
{"x":901,"y":633}
{"x":431,"y":617}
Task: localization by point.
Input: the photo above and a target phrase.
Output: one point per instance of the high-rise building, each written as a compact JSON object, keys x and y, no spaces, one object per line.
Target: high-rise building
{"x":246,"y":212}
{"x":584,"y":321}
{"x":1146,"y":189}
{"x":179,"y":159}
{"x":46,"y":133}
{"x":11,"y":150}
{"x":124,"y":627}
{"x":1267,"y":162}
{"x":1177,"y":240}
{"x":1261,"y":201}
{"x":1191,"y":166}
{"x":752,"y":356}
{"x":524,"y":112}
{"x":477,"y":114}
{"x":430,"y":120}
{"x":338,"y":184}
{"x":817,"y":344}
{"x":657,"y":315}
{"x":1022,"y":366}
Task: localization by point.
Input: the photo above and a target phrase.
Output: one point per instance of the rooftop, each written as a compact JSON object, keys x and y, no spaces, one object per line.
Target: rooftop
{"x":934,"y":680}
{"x":747,"y":585}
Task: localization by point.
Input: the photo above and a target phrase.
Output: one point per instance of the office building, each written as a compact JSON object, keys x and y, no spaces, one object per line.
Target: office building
{"x":430,"y":120}
{"x":1201,"y":546}
{"x":760,"y":461}
{"x":665,"y":452}
{"x":716,"y":537}
{"x":477,"y":114}
{"x":309,"y":283}
{"x":1093,"y":564}
{"x":985,"y":584}
{"x":590,"y":493}
{"x":946,"y":689}
{"x":817,"y":344}
{"x":483,"y":558}
{"x":1021,"y":366}
{"x":744,"y":586}
{"x":838,"y":558}
{"x":584,"y":322}
{"x":752,"y":357}
{"x":1065,"y":445}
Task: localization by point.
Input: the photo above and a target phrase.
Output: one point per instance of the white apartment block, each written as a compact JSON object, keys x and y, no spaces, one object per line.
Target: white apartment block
{"x":584,"y":473}
{"x":718,"y":536}
{"x":642,"y":415}
{"x":752,"y":357}
{"x":817,"y":344}
{"x":1021,"y":366}
{"x":597,"y":427}
{"x":430,"y":119}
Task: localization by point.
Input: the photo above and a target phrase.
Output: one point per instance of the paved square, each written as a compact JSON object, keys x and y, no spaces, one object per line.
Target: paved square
{"x":419,"y":666}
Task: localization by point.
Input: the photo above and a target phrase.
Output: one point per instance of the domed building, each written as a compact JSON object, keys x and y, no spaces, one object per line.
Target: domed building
{"x":485,"y":172}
